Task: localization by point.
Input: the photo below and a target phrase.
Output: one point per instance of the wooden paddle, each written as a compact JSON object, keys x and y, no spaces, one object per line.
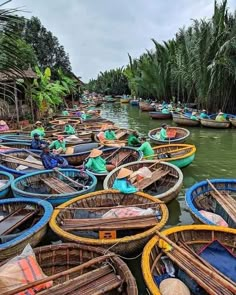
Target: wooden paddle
{"x":12,"y":159}
{"x":32,"y":154}
{"x":117,"y":150}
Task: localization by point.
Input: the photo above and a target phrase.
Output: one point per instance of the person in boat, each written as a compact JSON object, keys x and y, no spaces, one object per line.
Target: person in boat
{"x":3,"y":126}
{"x":133,"y":139}
{"x":165,"y":110}
{"x":58,"y":146}
{"x":51,"y":161}
{"x":163,"y":132}
{"x":204,"y":115}
{"x":220,"y":117}
{"x":39,"y":130}
{"x":122,"y":182}
{"x":193,"y":116}
{"x":69,"y":130}
{"x":37,"y":143}
{"x":146,"y":149}
{"x":110,"y":134}
{"x":97,"y":164}
{"x":65,"y":113}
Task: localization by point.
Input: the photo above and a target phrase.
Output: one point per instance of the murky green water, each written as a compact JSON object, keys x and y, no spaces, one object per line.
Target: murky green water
{"x":215,"y":158}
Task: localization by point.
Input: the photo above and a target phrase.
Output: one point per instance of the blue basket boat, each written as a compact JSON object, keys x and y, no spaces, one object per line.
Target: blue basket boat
{"x":10,"y":164}
{"x":24,"y":222}
{"x":52,"y":186}
{"x":6,"y":179}
{"x":199,"y":197}
{"x":16,"y":138}
{"x":181,"y":134}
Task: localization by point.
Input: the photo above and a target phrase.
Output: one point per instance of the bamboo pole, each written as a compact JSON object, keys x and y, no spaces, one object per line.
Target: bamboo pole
{"x":58,"y":275}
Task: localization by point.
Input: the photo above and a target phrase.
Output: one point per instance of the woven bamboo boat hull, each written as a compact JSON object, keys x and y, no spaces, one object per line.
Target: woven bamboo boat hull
{"x":109,"y":198}
{"x":134,"y":156}
{"x":170,"y":187}
{"x":215,"y":124}
{"x":15,"y":138}
{"x":198,"y":198}
{"x":233,"y":121}
{"x":30,"y":236}
{"x":124,"y":100}
{"x":17,"y":145}
{"x":146,"y":107}
{"x":5,"y":189}
{"x":134,"y":102}
{"x":195,"y":236}
{"x":34,"y":180}
{"x":11,"y":167}
{"x":160,"y":115}
{"x":181,"y":135}
{"x":180,"y":155}
{"x":183,"y":121}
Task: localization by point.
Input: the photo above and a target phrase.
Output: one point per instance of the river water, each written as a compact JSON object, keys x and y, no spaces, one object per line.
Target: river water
{"x":215,"y":158}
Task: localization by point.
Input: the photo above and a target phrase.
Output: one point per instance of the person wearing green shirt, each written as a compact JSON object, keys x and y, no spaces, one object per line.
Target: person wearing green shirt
{"x":65,"y":113}
{"x":110,"y":135}
{"x":133,"y":139}
{"x":122,"y":182}
{"x":97,"y":164}
{"x":220,"y":117}
{"x":165,"y":110}
{"x":163,"y":132}
{"x":38,"y":130}
{"x":58,"y":146}
{"x":203,"y":115}
{"x":146,"y":149}
{"x":193,"y":116}
{"x":69,"y":129}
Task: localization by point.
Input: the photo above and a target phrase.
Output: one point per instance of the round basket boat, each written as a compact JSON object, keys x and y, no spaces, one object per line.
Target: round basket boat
{"x":124,"y":236}
{"x":165,"y":183}
{"x":16,"y":145}
{"x":185,"y":121}
{"x":233,"y":121}
{"x":201,"y":197}
{"x":15,"y":138}
{"x":108,"y":275}
{"x":215,"y":124}
{"x":181,"y":134}
{"x":160,"y":116}
{"x":25,"y":222}
{"x":180,"y":155}
{"x":5,"y":183}
{"x":197,"y":237}
{"x":14,"y":162}
{"x":146,"y":107}
{"x":53,"y":186}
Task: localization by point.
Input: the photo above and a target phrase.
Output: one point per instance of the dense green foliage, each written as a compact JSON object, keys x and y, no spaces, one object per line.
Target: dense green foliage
{"x":199,"y":65}
{"x":113,"y":82}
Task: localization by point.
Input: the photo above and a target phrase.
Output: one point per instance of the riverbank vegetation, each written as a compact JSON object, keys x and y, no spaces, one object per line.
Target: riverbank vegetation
{"x":198,"y":65}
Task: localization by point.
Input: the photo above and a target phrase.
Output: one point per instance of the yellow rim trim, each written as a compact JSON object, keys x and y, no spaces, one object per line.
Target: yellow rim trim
{"x":145,"y":263}
{"x":192,"y":152}
{"x":54,"y":226}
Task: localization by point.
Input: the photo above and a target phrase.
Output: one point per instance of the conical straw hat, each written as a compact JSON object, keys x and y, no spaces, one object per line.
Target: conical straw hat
{"x":124,"y":172}
{"x":95,"y":153}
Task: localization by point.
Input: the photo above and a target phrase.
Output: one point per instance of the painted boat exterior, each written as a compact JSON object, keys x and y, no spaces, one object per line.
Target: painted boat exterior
{"x":179,"y":160}
{"x":4,"y":190}
{"x":233,"y":121}
{"x":14,"y":171}
{"x":166,"y":196}
{"x":54,"y":199}
{"x":134,"y":102}
{"x":215,"y":124}
{"x":30,"y":236}
{"x":184,"y":121}
{"x":182,"y":134}
{"x":199,"y":235}
{"x":203,"y":187}
{"x":16,"y":138}
{"x":124,"y":100}
{"x":160,"y":115}
{"x":124,"y":245}
{"x":146,"y":107}
{"x":17,"y":144}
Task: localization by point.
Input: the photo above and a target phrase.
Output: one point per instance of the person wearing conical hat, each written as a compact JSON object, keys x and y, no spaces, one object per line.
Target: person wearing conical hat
{"x":39,"y":130}
{"x":58,"y":146}
{"x":97,"y":164}
{"x":122,"y":182}
{"x":220,"y":117}
{"x":69,"y":130}
{"x":110,"y":134}
{"x":193,"y":116}
{"x":204,"y":115}
{"x":3,"y":126}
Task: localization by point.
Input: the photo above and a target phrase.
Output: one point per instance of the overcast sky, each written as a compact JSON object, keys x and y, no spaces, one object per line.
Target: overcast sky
{"x":98,"y":34}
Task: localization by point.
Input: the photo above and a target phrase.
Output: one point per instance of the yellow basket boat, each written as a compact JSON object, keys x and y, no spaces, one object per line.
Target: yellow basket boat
{"x":124,"y":236}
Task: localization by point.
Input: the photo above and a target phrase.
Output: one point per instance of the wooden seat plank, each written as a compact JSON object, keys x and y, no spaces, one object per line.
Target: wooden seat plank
{"x":58,"y":185}
{"x":156,"y":175}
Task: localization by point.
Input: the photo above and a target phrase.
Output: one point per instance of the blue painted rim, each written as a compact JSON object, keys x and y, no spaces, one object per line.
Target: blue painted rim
{"x":10,"y":180}
{"x":189,"y":196}
{"x":51,"y":196}
{"x":48,"y":210}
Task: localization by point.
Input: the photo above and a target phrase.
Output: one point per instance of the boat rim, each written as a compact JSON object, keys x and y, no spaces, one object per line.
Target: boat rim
{"x":166,"y":140}
{"x":192,"y":152}
{"x":9,"y":180}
